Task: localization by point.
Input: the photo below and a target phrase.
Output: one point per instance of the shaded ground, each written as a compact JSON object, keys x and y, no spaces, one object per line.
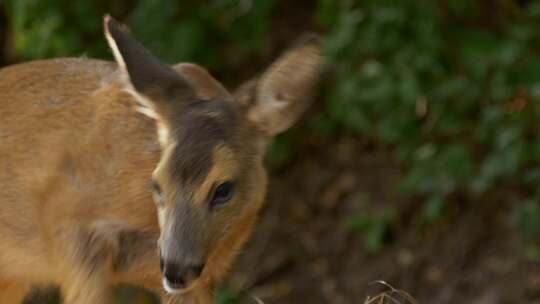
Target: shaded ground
{"x":302,"y":252}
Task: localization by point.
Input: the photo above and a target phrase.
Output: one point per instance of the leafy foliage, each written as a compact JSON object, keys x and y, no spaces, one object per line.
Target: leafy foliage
{"x":174,"y":30}
{"x":451,"y":92}
{"x":374,"y":224}
{"x":527,"y":219}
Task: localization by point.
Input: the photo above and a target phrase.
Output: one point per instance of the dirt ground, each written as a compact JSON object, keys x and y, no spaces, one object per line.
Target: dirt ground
{"x":302,"y":252}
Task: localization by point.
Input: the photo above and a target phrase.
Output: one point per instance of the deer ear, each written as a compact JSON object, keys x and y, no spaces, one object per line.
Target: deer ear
{"x":157,"y":86}
{"x":283,"y":91}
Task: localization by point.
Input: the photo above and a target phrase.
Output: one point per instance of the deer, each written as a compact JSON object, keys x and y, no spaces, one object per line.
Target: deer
{"x":136,"y":171}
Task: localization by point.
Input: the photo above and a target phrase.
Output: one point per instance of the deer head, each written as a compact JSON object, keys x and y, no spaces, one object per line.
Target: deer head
{"x":210,"y":180}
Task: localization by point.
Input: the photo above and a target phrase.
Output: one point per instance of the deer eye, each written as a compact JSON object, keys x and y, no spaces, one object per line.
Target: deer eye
{"x":223,"y":193}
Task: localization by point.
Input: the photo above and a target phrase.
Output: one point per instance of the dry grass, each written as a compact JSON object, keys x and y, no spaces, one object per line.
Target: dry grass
{"x":390,"y":296}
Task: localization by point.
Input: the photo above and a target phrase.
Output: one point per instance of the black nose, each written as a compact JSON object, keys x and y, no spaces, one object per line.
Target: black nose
{"x":179,"y":277}
{"x":174,"y":278}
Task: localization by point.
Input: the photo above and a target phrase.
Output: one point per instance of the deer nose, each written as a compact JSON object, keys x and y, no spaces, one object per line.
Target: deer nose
{"x":178,"y":277}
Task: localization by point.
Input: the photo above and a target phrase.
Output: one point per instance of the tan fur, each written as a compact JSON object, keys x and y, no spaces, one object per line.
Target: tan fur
{"x":207,"y":86}
{"x":284,"y":86}
{"x":63,"y":170}
{"x":75,"y":161}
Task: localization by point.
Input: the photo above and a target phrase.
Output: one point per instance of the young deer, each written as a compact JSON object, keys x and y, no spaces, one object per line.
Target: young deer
{"x":80,"y":139}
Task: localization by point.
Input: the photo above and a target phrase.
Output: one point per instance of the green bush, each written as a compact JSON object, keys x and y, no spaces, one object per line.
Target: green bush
{"x":452,"y":91}
{"x":174,"y":30}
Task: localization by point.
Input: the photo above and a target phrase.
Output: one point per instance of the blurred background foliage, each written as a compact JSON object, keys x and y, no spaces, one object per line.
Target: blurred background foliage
{"x":450,"y":87}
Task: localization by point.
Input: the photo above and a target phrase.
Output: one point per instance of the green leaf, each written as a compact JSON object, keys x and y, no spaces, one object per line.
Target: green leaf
{"x":226,"y":296}
{"x":526,"y":217}
{"x":478,"y":50}
{"x":433,"y":209}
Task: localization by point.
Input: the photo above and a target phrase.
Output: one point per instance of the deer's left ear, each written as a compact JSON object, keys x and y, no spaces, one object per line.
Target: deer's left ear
{"x":156,"y":85}
{"x":282,"y":93}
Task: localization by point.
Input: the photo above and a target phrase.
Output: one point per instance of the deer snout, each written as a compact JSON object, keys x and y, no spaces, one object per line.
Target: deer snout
{"x":177,"y":276}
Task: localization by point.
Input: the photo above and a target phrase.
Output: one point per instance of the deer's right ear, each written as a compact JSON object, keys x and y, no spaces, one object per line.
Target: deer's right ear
{"x":282,"y":93}
{"x":156,"y":85}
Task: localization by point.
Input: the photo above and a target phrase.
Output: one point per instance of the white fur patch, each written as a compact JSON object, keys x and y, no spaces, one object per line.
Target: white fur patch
{"x":167,"y":152}
{"x":147,"y":108}
{"x":161,"y":218}
{"x":147,"y":111}
{"x":141,"y":99}
{"x":168,"y":288}
{"x":163,"y":134}
{"x":112,"y":44}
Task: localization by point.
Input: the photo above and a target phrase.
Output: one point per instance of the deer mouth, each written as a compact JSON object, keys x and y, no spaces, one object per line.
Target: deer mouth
{"x":175,"y":289}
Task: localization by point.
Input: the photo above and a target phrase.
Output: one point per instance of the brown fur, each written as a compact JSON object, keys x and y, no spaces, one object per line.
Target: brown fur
{"x":75,"y":161}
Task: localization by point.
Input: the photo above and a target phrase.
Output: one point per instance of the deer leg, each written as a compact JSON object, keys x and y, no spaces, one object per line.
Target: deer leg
{"x":86,"y":286}
{"x":13,"y":293}
{"x":111,"y":252}
{"x":137,"y":263}
{"x":137,"y":260}
{"x":119,"y":253}
{"x":88,"y":261}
